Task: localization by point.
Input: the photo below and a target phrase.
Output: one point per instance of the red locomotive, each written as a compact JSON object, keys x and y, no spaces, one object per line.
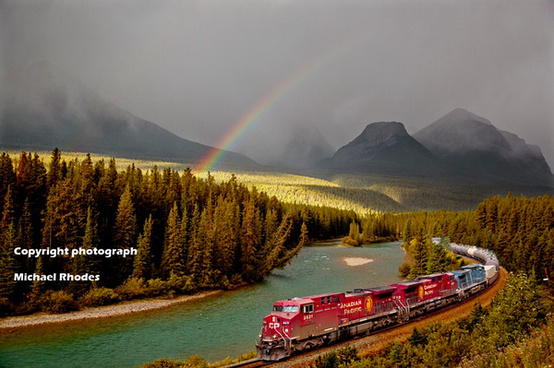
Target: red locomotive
{"x":303,"y":323}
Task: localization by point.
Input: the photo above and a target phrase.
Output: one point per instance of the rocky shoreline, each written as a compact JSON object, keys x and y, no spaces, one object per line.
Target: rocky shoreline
{"x":121,"y":309}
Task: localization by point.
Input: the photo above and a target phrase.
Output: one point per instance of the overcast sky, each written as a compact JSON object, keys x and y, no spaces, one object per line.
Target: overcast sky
{"x":196,"y":67}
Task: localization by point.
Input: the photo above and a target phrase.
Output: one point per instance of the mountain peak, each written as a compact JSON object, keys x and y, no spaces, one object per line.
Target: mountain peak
{"x":478,"y":148}
{"x":460,"y":131}
{"x":461,"y":115}
{"x":378,"y":135}
{"x":384,"y":147}
{"x":382,"y":131}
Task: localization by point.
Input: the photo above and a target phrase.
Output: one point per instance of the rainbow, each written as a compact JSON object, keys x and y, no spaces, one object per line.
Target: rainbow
{"x":238,"y":130}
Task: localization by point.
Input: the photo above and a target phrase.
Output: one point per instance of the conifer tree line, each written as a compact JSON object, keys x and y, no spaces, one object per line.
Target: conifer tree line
{"x":520,"y":230}
{"x":190,"y":233}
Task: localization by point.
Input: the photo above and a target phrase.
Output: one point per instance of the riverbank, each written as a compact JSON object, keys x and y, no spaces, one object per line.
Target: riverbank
{"x":121,"y":309}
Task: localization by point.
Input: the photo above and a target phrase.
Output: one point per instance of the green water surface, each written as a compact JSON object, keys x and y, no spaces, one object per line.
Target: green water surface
{"x":215,"y":327}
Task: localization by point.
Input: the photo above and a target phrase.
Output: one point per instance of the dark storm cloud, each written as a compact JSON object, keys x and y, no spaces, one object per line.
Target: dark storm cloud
{"x":195,"y":67}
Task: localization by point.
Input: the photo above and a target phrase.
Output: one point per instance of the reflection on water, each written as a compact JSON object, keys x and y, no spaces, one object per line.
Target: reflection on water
{"x":216,"y":327}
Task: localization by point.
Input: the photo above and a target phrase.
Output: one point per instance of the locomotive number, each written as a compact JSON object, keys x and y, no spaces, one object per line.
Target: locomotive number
{"x":308,"y":317}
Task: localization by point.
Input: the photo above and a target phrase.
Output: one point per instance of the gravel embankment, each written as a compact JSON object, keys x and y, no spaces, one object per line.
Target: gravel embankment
{"x":10,"y":323}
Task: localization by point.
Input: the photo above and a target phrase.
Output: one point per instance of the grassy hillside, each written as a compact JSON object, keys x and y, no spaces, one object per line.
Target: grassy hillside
{"x":359,"y":192}
{"x":431,"y":194}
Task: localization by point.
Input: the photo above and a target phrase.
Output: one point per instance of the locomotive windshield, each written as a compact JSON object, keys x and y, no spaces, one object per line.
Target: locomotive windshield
{"x":291,"y":309}
{"x":277,"y":308}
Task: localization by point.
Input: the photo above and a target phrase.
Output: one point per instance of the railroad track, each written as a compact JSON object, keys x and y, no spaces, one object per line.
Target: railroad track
{"x":299,"y":360}
{"x":251,"y":363}
{"x":375,"y":342}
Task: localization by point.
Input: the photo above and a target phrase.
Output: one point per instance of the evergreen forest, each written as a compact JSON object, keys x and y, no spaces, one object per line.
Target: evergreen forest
{"x":190,"y":234}
{"x":520,"y":230}
{"x":194,"y":233}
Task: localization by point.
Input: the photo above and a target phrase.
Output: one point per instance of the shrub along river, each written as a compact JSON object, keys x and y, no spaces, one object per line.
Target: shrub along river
{"x":215,"y":327}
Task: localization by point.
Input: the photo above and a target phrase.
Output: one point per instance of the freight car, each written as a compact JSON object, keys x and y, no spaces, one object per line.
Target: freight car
{"x":300,"y":324}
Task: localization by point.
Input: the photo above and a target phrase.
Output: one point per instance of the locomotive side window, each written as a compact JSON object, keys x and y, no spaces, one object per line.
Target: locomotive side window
{"x":308,"y":308}
{"x":277,"y":308}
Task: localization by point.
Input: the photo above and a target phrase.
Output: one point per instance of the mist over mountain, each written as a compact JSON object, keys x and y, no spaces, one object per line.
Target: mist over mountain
{"x":459,"y":146}
{"x":47,"y":108}
{"x":386,"y":148}
{"x":477,"y":148}
{"x":305,"y":147}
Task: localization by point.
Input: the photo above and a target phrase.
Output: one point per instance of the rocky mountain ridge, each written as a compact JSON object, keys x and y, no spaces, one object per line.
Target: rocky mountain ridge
{"x":460,"y":145}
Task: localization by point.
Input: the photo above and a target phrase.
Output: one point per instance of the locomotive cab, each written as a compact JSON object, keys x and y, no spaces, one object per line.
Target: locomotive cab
{"x":282,"y":326}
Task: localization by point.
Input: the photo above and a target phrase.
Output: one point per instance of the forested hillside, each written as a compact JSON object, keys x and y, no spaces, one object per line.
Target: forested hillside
{"x":189,"y":234}
{"x":519,"y":230}
{"x":517,"y":330}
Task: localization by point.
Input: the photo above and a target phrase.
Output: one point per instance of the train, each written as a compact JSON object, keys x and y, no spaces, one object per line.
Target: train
{"x":300,"y":324}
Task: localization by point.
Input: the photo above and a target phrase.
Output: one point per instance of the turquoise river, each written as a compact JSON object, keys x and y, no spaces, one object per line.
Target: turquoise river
{"x":215,"y":327}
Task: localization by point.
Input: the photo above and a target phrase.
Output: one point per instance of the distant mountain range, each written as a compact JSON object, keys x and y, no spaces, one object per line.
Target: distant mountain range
{"x":460,"y":145}
{"x":47,"y":108}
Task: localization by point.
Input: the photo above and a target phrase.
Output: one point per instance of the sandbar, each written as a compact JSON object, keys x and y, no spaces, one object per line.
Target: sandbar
{"x":356,"y":261}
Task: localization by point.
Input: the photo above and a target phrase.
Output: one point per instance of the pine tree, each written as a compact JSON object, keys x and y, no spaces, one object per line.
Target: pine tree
{"x":437,"y":259}
{"x":250,"y":243}
{"x":7,"y":176}
{"x":276,"y":252}
{"x":86,"y":184}
{"x":63,"y":221}
{"x":86,"y":263}
{"x":38,"y":287}
{"x":173,"y":260}
{"x":194,"y":260}
{"x":207,"y":273}
{"x":407,"y":233}
{"x":353,"y":235}
{"x":125,"y":229}
{"x":304,"y":239}
{"x":142,"y":265}
{"x":25,"y":236}
{"x":90,"y":239}
{"x":225,"y":238}
{"x":8,"y":264}
{"x":54,"y":169}
{"x":8,"y":214}
{"x":281,"y":256}
{"x":420,"y":256}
